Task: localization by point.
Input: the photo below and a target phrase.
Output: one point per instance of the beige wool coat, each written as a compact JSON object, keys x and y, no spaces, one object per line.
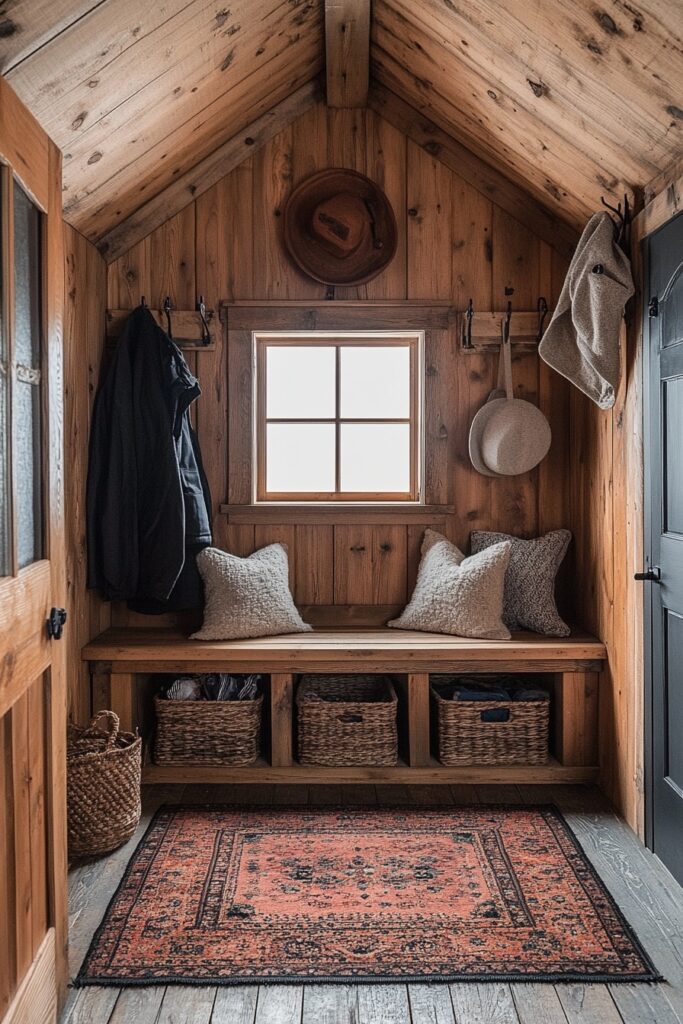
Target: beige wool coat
{"x":582,"y":339}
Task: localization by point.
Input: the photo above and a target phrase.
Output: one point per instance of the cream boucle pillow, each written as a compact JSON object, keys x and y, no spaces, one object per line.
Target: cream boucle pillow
{"x":529,"y":601}
{"x":457,"y":595}
{"x":246,"y":597}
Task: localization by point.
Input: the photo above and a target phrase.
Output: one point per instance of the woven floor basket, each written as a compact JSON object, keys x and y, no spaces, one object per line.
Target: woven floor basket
{"x":357,"y":727}
{"x":464,"y":739}
{"x":103,"y":786}
{"x":207,"y":731}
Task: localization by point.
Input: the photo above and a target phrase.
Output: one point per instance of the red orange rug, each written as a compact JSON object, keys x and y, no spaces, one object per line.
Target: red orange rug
{"x":231,"y":895}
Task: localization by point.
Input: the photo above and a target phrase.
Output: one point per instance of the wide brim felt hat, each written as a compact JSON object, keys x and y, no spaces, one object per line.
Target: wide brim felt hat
{"x":339,"y":227}
{"x":508,"y":437}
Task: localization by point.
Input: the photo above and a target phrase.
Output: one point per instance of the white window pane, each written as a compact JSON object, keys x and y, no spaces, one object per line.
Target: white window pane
{"x":375,"y":382}
{"x":300,"y":382}
{"x":375,"y":457}
{"x":299,"y":457}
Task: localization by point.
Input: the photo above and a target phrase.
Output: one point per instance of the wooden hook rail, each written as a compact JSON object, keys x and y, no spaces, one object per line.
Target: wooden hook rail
{"x":481,"y":332}
{"x":188,"y":329}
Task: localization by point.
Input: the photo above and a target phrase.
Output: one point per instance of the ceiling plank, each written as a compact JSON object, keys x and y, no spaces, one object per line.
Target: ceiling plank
{"x":347,"y":52}
{"x":201,"y":178}
{"x":595,"y":77}
{"x":471,"y":168}
{"x":27,"y":25}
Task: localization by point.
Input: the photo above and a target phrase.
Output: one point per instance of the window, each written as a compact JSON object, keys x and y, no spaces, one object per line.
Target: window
{"x":21,"y":499}
{"x":338,"y":417}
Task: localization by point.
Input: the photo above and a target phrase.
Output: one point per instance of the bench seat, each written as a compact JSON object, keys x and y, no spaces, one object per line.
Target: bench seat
{"x":347,"y":649}
{"x":121,"y":658}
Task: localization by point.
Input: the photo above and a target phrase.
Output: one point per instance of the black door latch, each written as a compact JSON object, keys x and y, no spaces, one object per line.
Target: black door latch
{"x":55,"y":623}
{"x":652,"y":574}
{"x":653,"y":307}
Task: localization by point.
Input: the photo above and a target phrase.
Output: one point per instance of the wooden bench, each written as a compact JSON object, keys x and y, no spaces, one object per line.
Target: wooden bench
{"x":120,"y":656}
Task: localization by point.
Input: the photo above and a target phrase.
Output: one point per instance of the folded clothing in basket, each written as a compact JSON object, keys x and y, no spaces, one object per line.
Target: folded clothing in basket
{"x":215,"y":686}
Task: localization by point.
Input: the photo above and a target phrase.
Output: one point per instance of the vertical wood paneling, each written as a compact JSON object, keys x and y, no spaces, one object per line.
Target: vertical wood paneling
{"x":8,"y":966}
{"x":430,"y":225}
{"x":37,"y":768}
{"x":21,"y":809}
{"x":84,"y":312}
{"x":452,"y":244}
{"x":314,"y":557}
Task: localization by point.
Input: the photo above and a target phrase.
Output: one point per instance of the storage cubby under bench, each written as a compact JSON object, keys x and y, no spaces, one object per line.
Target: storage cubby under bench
{"x":119,"y":657}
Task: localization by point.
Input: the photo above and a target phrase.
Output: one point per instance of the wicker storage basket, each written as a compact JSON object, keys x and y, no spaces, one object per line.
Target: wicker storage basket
{"x":464,"y":739}
{"x":103,"y":786}
{"x":356,"y":725}
{"x":207,"y":731}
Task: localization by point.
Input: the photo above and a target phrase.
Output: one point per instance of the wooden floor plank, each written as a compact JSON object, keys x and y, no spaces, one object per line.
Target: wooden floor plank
{"x":191,"y":1004}
{"x":138,"y":1005}
{"x":537,"y":1004}
{"x":588,"y":1004}
{"x":234,"y":1005}
{"x":279,"y":1004}
{"x":92,"y":1006}
{"x":474,"y":1004}
{"x":383,"y":1004}
{"x":330,"y":1004}
{"x":431,"y":1004}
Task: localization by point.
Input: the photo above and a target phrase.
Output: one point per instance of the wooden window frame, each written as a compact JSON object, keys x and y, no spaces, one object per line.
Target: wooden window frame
{"x":412,"y":340}
{"x":440,"y":417}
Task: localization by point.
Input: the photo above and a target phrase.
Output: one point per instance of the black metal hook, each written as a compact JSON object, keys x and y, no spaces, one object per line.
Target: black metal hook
{"x":143,"y":302}
{"x":542,"y":307}
{"x":508,"y":318}
{"x":623,"y":224}
{"x":168,"y":306}
{"x":206,"y":333}
{"x":467,"y":326}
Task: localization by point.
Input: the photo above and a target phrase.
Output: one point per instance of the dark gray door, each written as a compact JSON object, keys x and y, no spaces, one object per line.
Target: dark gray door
{"x":664,"y":542}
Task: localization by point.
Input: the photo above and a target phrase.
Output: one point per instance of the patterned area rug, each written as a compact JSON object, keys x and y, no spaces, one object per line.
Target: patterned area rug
{"x":232,"y":895}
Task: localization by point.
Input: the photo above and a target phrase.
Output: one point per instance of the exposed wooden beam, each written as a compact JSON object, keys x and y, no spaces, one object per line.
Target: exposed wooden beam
{"x":485,"y":178}
{"x":347,"y":52}
{"x":206,"y":173}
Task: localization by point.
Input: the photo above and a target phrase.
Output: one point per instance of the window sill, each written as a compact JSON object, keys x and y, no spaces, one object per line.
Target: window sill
{"x":311,"y":514}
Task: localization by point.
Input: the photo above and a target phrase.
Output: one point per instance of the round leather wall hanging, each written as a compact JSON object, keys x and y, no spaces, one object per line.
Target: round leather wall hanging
{"x":339,"y":227}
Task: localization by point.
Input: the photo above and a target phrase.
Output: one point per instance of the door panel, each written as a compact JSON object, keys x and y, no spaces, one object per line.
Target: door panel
{"x":664,"y":483}
{"x":32,"y":671}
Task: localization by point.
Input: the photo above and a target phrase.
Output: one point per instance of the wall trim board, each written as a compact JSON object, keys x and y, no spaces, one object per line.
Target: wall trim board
{"x":185,"y":189}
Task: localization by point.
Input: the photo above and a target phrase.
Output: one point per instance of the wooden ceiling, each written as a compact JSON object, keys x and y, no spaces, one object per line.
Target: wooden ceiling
{"x":569,"y":100}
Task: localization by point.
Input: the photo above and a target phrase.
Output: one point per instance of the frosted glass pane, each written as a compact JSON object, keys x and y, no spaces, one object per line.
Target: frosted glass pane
{"x":4,"y":453}
{"x":375,"y":457}
{"x":4,"y":490}
{"x":375,"y":382}
{"x":27,"y":275}
{"x":300,"y":457}
{"x":300,"y":382}
{"x":27,"y":472}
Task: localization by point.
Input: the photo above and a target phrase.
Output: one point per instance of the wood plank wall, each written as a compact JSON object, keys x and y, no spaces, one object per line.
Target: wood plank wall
{"x":24,"y":785}
{"x":453,"y":244}
{"x":85,"y":285}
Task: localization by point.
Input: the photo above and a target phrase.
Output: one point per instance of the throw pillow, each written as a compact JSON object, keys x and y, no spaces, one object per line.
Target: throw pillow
{"x":457,"y":595}
{"x":529,"y":601}
{"x":246,"y":597}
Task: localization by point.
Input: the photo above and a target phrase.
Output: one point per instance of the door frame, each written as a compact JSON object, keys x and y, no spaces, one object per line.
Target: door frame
{"x":666,"y":204}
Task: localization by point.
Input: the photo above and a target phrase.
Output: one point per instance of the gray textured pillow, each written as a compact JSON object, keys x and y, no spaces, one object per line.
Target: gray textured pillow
{"x":247,"y":596}
{"x":457,"y":595}
{"x":530,"y":579}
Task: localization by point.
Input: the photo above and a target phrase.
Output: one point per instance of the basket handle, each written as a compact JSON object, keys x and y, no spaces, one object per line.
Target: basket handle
{"x":350,"y":716}
{"x":106,"y":722}
{"x":505,"y":717}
